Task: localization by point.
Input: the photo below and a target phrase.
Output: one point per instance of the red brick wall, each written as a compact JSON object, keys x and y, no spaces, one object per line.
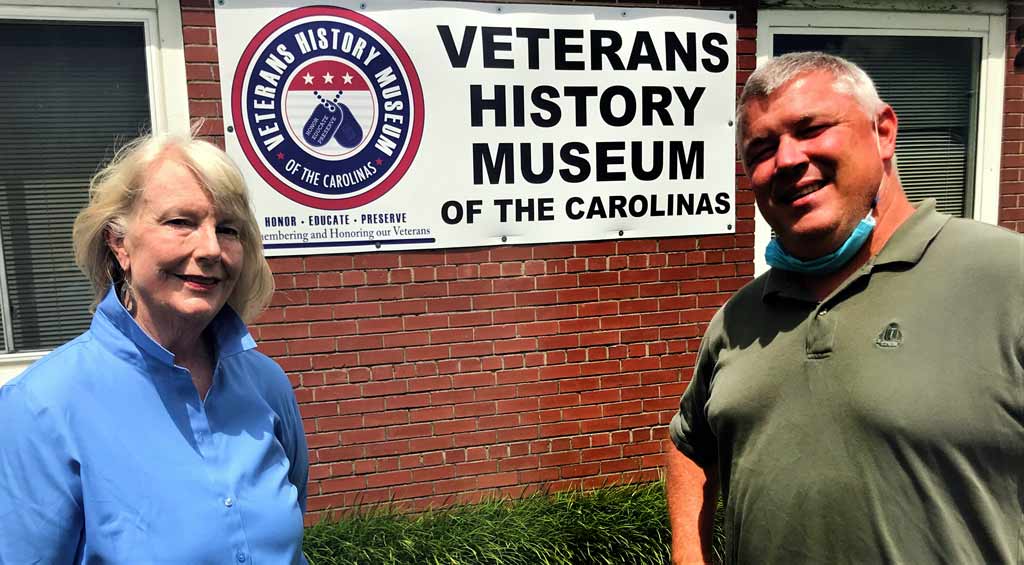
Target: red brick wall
{"x":430,"y":377}
{"x":1011,"y":185}
{"x":436,"y":376}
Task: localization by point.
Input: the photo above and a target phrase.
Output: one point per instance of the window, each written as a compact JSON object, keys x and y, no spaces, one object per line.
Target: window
{"x":942,"y":73}
{"x":77,"y":85}
{"x":74,"y":92}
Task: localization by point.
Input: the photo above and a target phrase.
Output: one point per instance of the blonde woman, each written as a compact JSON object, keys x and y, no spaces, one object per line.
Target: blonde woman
{"x":160,"y":434}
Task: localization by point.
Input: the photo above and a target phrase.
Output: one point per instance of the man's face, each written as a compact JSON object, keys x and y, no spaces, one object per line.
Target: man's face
{"x":815,"y":161}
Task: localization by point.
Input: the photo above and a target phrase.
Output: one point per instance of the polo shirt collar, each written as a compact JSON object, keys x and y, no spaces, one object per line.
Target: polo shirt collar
{"x":907,"y":245}
{"x":114,"y":326}
{"x":911,"y":239}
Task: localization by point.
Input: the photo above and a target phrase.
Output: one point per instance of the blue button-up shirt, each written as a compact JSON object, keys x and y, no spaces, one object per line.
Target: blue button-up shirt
{"x":108,"y":455}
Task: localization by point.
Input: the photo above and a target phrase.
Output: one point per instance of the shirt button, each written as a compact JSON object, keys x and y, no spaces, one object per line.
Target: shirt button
{"x":229,"y":503}
{"x":823,"y":312}
{"x":240,"y":557}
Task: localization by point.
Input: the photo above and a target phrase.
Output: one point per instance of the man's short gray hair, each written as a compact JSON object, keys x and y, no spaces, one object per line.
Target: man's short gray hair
{"x":849,"y":79}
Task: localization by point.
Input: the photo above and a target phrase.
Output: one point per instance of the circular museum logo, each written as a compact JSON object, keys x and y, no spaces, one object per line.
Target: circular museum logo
{"x":327,"y":107}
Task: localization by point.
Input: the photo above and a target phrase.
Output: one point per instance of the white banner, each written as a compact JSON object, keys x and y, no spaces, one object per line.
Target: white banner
{"x":422,"y":125}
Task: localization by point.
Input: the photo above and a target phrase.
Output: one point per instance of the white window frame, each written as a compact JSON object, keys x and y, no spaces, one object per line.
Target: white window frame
{"x":990,"y":28}
{"x":165,"y":67}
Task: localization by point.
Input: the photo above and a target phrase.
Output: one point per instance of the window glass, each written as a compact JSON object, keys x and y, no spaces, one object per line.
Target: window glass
{"x":70,"y":94}
{"x":932,"y":84}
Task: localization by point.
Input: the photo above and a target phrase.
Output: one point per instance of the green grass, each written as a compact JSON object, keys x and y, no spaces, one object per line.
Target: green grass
{"x":617,"y":525}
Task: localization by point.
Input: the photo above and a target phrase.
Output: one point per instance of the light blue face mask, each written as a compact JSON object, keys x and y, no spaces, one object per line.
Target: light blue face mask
{"x":778,"y":258}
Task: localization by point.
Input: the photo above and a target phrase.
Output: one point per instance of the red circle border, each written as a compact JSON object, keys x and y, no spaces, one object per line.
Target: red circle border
{"x":397,"y":172}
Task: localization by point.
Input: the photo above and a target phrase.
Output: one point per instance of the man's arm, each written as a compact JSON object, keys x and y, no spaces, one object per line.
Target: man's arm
{"x":692,"y":496}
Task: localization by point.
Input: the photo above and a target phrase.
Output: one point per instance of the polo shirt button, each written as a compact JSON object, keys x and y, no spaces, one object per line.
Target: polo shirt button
{"x":229,"y":503}
{"x":240,"y":557}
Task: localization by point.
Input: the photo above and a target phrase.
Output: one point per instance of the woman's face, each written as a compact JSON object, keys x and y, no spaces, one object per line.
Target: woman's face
{"x":180,"y":254}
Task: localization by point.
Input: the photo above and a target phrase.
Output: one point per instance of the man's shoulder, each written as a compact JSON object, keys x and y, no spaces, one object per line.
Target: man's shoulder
{"x":982,"y":232}
{"x":745,"y":304}
{"x":981,"y":248}
{"x":750,"y":296}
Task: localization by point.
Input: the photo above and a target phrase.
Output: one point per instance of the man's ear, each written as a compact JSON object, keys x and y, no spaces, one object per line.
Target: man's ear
{"x":886,"y":125}
{"x":117,"y":247}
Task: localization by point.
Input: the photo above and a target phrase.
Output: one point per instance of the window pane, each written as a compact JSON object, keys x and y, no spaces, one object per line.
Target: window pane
{"x":931,"y":82}
{"x":69,"y":95}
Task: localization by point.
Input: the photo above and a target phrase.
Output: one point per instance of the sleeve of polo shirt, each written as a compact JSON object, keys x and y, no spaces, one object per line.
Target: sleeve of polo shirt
{"x":40,"y":516}
{"x":1020,"y":335}
{"x":689,"y":429}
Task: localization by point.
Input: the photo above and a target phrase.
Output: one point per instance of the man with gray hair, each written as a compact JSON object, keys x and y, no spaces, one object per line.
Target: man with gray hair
{"x":863,"y":401}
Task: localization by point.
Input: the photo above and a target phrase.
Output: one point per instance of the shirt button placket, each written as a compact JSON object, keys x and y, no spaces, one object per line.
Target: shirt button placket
{"x":821,"y":333}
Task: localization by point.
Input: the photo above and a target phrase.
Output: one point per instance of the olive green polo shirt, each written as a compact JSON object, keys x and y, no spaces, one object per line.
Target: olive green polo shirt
{"x":884,"y":424}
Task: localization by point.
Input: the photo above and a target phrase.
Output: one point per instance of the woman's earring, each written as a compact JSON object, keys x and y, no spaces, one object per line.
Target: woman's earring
{"x":127,"y":295}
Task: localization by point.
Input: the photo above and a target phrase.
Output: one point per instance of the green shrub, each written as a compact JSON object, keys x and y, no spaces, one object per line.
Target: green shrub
{"x":617,"y":525}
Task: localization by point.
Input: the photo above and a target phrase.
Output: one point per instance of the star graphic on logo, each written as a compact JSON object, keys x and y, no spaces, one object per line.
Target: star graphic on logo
{"x":308,"y":78}
{"x":379,"y":161}
{"x":280,"y":156}
{"x":328,"y":78}
{"x":347,"y":78}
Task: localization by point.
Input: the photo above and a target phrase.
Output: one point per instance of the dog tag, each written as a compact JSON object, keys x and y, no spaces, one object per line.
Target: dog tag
{"x":322,"y":124}
{"x":350,"y":133}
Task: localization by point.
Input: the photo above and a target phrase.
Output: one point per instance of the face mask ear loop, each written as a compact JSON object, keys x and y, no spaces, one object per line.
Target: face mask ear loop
{"x":881,"y":181}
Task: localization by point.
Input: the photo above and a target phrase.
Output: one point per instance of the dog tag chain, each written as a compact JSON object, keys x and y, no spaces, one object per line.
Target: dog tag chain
{"x":332,"y":119}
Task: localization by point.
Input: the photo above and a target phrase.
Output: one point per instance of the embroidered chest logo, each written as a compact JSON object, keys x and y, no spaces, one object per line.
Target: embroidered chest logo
{"x":891,"y":337}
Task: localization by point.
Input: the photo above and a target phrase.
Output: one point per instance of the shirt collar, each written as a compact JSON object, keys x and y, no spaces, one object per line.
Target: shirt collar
{"x":907,"y":245}
{"x":912,"y":238}
{"x":113,"y":323}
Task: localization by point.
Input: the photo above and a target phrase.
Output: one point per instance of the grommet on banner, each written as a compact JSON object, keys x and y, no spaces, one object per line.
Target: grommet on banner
{"x":504,"y":238}
{"x":621,"y":233}
{"x":231,"y":129}
{"x":376,"y":244}
{"x":728,"y":227}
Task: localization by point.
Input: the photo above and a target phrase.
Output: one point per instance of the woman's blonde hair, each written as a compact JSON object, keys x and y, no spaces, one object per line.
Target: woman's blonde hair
{"x":116,"y":189}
